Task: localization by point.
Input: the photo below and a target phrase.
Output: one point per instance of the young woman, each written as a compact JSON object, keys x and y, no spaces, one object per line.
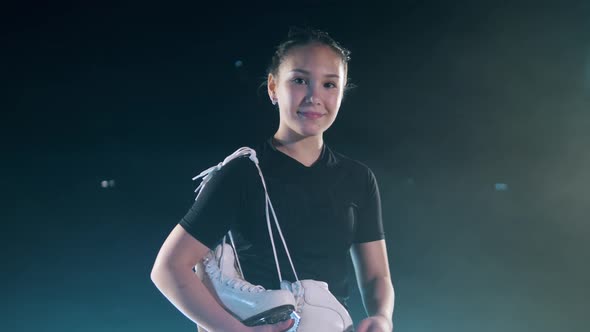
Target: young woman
{"x":328,"y":205}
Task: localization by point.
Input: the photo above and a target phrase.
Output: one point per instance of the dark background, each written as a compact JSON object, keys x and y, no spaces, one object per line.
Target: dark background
{"x":452,"y":98}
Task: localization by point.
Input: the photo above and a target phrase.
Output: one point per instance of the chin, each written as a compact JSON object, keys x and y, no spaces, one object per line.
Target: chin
{"x":306,"y":132}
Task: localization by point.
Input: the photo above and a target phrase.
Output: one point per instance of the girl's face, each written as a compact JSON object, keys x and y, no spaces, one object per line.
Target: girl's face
{"x":309,"y":89}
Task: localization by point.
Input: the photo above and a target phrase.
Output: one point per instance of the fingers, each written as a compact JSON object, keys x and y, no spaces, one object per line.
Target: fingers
{"x":278,"y":327}
{"x":363,"y":326}
{"x":284,"y":326}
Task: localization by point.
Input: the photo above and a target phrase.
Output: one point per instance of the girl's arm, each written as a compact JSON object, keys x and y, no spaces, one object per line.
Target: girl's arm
{"x":173,"y":275}
{"x":372,"y":273}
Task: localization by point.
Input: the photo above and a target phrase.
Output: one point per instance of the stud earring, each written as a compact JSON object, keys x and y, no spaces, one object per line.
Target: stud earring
{"x":274,"y":101}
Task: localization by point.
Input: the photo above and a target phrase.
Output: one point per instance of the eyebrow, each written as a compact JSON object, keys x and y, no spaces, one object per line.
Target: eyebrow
{"x":307,"y":73}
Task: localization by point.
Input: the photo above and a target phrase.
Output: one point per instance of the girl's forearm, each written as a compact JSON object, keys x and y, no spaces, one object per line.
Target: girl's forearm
{"x":378,"y":298}
{"x":189,"y":295}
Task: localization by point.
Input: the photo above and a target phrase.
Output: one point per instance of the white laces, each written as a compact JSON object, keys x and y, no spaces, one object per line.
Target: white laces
{"x":296,"y":288}
{"x":208,"y":173}
{"x":236,"y":283}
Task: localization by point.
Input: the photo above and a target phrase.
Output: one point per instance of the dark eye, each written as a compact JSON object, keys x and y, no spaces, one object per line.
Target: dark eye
{"x":299,"y":80}
{"x":330,"y":85}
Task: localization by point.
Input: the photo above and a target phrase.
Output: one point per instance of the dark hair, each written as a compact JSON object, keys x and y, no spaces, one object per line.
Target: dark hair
{"x":305,"y":36}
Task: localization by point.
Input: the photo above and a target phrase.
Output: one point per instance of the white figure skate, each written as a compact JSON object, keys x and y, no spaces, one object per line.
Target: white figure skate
{"x":317,"y":307}
{"x":251,"y":304}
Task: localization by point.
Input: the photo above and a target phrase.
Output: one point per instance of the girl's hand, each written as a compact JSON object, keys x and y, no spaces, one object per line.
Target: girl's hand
{"x":278,"y":327}
{"x":375,"y":324}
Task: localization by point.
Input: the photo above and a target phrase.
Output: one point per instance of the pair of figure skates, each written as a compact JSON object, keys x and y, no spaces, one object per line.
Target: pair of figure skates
{"x":308,"y":302}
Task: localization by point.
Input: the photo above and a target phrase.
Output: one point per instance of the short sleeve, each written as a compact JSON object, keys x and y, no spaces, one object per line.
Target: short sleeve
{"x":369,"y":218}
{"x":215,"y":211}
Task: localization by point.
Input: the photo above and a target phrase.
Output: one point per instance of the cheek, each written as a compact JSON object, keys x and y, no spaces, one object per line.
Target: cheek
{"x":293,"y":92}
{"x":335,"y":99}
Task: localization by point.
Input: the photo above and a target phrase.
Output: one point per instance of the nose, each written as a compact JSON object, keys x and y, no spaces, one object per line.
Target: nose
{"x":312,"y":95}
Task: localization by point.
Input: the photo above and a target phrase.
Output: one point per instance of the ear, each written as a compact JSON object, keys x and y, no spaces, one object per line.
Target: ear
{"x":271,"y":85}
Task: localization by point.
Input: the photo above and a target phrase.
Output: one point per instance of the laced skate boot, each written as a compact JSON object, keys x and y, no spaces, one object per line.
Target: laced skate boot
{"x":316,"y":306}
{"x":251,"y":304}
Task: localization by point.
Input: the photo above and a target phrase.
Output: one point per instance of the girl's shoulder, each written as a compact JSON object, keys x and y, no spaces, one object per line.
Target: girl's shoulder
{"x":351,"y":165}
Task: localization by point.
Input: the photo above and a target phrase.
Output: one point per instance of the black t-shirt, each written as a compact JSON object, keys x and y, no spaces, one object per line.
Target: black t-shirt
{"x":322,"y":210}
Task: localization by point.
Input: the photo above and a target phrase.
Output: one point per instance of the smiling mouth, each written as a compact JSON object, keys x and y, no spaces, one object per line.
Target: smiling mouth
{"x":310,"y":115}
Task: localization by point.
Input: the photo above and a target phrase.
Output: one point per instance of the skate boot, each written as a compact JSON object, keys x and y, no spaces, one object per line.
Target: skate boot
{"x":251,"y":304}
{"x":317,"y":307}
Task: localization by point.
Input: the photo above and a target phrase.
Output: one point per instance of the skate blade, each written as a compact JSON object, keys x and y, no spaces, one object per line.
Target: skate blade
{"x":271,"y":316}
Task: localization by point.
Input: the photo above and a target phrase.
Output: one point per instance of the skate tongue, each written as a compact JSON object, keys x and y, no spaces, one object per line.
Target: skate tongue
{"x":293,"y":287}
{"x":225,"y":257}
{"x":296,"y":288}
{"x":286,"y":285}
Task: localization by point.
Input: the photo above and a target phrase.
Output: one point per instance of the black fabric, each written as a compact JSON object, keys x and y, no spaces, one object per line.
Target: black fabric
{"x":322,"y":210}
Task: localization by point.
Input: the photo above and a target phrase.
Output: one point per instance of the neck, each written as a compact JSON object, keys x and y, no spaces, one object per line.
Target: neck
{"x":306,"y":150}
